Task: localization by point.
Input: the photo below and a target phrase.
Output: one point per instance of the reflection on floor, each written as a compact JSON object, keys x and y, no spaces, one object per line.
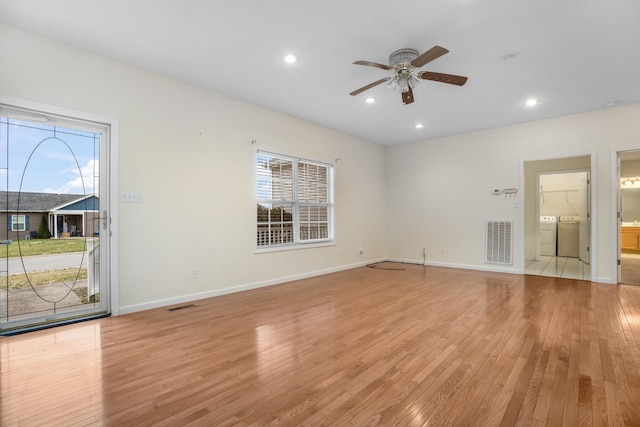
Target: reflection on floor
{"x":570,"y":268}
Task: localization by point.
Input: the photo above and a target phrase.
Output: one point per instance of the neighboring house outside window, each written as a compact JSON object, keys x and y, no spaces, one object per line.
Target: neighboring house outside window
{"x":18,"y":222}
{"x":294,"y":201}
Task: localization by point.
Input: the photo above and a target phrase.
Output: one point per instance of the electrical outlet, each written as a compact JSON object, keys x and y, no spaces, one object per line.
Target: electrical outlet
{"x":361,"y":251}
{"x":194,"y":273}
{"x":442,"y":250}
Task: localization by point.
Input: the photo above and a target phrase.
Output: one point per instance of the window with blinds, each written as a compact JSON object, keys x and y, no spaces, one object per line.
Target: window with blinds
{"x":294,"y":201}
{"x":18,"y":222}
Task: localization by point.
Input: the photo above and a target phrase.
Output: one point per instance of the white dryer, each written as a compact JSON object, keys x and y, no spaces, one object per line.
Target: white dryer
{"x":548,"y":235}
{"x":569,"y":236}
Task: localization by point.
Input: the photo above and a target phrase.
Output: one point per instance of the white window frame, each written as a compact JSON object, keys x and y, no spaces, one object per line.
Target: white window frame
{"x":15,"y":221}
{"x":295,"y":203}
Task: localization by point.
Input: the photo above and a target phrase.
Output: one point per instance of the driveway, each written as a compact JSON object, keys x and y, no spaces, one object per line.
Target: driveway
{"x":25,"y":302}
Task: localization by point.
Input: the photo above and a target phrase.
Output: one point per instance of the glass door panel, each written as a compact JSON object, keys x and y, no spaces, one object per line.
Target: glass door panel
{"x":51,"y":198}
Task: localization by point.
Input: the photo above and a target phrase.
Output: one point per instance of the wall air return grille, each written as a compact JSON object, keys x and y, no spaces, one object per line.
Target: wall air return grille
{"x":499,"y":239}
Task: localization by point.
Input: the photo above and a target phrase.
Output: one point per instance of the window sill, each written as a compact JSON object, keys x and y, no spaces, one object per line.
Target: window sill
{"x":295,"y":247}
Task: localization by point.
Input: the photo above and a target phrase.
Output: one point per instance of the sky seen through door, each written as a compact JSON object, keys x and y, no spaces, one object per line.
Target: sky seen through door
{"x":48,"y":159}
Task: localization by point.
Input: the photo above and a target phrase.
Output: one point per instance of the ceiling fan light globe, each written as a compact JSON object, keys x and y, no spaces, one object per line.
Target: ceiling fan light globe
{"x":403,"y":84}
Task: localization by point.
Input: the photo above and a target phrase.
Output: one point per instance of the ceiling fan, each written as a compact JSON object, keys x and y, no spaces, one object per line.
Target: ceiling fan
{"x":404,"y":64}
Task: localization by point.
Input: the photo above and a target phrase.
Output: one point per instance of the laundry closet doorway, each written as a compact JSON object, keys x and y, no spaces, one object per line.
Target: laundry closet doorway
{"x":558,"y":217}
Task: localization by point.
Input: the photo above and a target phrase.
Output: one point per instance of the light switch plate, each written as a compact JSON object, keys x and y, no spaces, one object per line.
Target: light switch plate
{"x":131,"y":197}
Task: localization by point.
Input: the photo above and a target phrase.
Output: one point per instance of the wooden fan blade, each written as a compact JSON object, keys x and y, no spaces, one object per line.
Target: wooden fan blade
{"x":443,"y":78}
{"x":407,"y":97}
{"x":433,"y":53}
{"x":369,"y":86}
{"x":373,"y":64}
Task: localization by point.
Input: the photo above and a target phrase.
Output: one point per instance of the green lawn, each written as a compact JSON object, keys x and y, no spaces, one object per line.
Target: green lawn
{"x":42,"y":247}
{"x":39,"y":278}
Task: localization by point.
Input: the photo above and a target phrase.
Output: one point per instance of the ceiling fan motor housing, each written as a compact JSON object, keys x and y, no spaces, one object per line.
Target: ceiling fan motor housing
{"x":401,"y":56}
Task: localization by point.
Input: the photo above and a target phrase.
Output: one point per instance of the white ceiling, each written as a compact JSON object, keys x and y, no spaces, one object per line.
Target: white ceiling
{"x":573,"y":55}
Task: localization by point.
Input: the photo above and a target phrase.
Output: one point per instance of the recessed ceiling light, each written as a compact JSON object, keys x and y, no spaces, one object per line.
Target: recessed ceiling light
{"x":370,"y":100}
{"x":531,"y":102}
{"x":290,"y":58}
{"x":419,"y":125}
{"x":611,"y":104}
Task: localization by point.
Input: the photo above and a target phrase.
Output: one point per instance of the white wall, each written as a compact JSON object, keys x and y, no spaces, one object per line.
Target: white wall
{"x":629,"y":168}
{"x":630,"y":196}
{"x":560,"y":194}
{"x":630,"y":204}
{"x":439,"y":191}
{"x":188,"y":151}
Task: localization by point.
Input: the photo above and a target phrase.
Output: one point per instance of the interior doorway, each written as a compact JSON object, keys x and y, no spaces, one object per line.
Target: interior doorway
{"x":558,"y":218}
{"x":629,"y":217}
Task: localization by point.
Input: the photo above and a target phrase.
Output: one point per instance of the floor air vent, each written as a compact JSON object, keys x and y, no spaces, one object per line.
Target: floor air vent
{"x":182,"y":307}
{"x":499,"y":242}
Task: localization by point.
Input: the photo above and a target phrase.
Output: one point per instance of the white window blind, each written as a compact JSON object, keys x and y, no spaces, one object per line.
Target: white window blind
{"x":294,"y":200}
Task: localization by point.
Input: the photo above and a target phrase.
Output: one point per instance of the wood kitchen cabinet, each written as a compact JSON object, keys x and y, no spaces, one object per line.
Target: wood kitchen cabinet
{"x":630,"y":240}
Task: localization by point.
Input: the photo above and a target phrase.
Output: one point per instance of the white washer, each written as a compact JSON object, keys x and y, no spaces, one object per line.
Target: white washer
{"x":569,"y":236}
{"x":548,"y":233}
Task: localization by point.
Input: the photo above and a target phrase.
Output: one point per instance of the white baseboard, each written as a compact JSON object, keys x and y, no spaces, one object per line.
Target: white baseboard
{"x":509,"y":270}
{"x":606,"y":280}
{"x":492,"y":269}
{"x":232,"y":289}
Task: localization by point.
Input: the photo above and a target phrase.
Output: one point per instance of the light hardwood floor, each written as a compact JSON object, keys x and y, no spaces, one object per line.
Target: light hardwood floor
{"x":417,"y":346}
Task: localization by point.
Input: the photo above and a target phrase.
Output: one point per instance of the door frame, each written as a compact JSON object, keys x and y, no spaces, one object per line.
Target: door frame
{"x":616,"y":208}
{"x":111,"y":161}
{"x":528,"y":198}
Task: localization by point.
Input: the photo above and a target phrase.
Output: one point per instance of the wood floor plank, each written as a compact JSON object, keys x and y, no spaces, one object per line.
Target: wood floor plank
{"x":397,"y":345}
